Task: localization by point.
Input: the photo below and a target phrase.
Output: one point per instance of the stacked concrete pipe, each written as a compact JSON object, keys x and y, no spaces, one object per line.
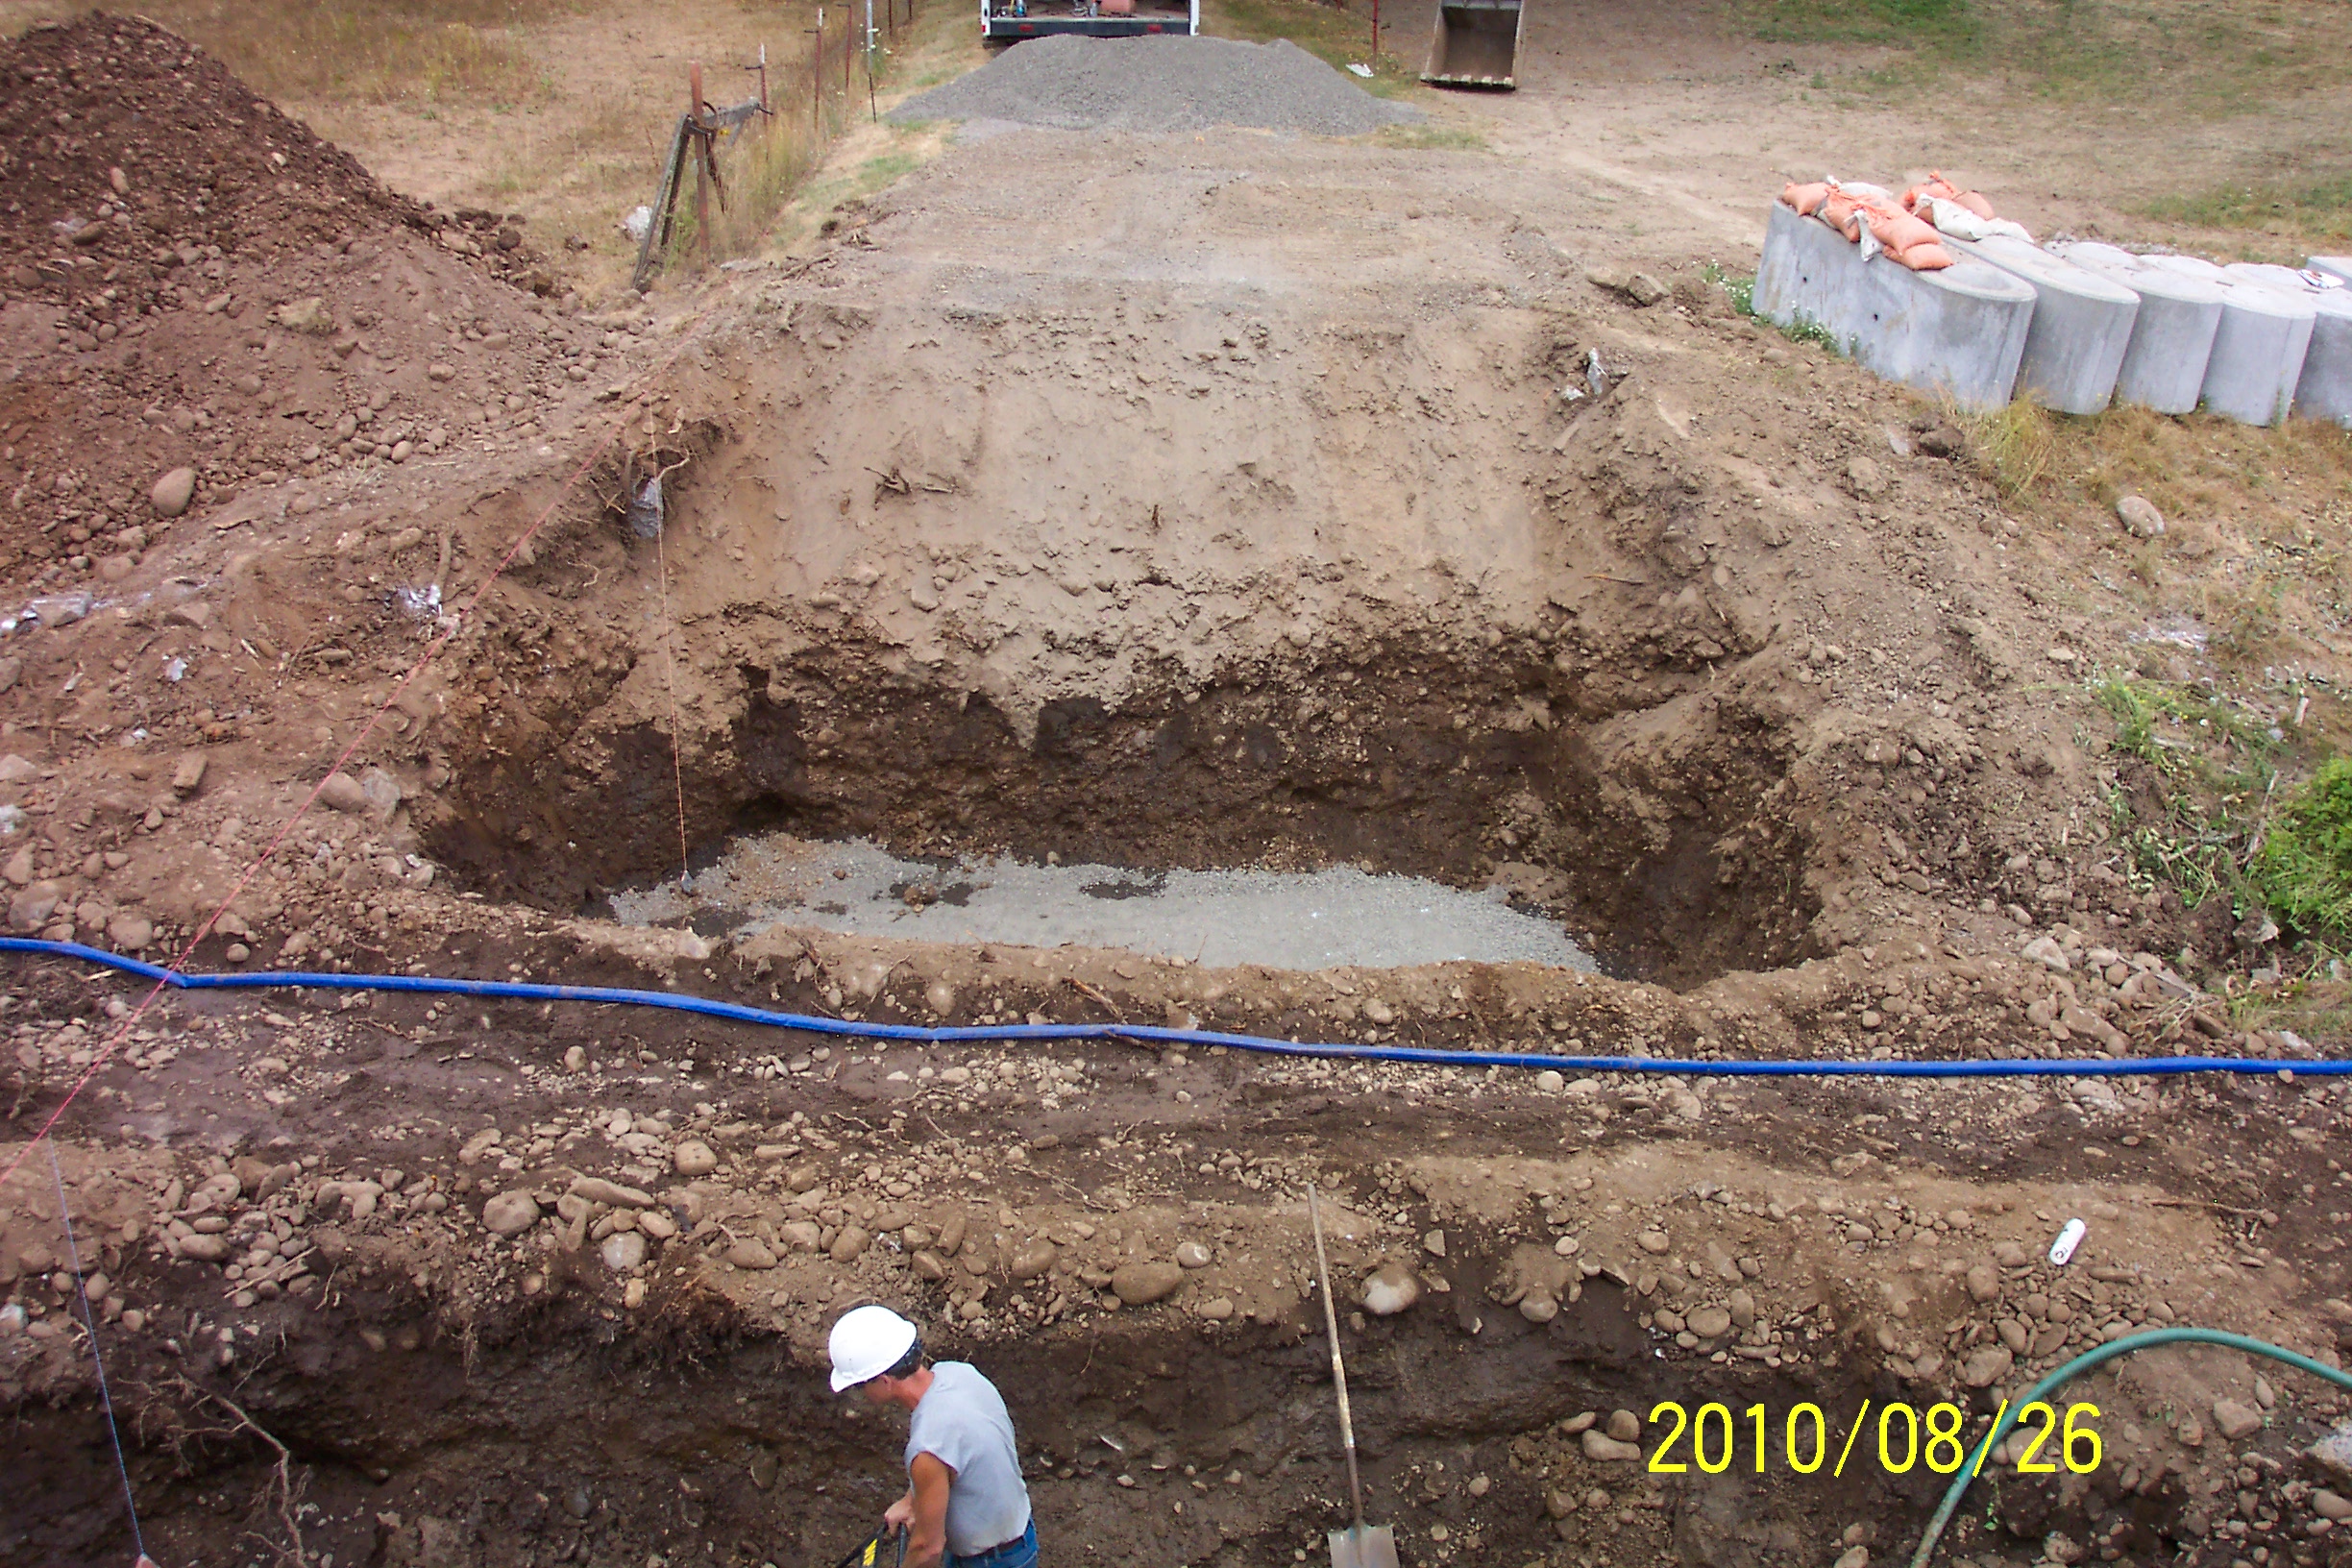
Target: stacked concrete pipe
{"x":2257,"y":350}
{"x":2173,"y":335}
{"x":2324,"y":388}
{"x":1959,"y":332}
{"x":2073,"y":327}
{"x":2081,"y":328}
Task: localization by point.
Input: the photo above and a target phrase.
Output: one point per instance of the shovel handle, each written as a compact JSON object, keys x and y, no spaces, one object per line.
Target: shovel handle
{"x":1331,"y":1326}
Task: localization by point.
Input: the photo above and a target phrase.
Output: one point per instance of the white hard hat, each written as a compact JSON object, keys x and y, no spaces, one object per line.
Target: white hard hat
{"x":868,"y":1341}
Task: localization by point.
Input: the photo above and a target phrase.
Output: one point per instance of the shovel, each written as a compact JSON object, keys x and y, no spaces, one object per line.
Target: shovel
{"x":867,"y":1554}
{"x":1359,"y":1545}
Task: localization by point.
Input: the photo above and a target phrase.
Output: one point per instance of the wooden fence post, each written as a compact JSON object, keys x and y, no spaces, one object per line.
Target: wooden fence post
{"x":694,"y":108}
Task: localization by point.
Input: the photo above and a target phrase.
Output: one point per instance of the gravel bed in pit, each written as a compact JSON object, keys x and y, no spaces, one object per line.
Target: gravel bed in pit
{"x":1159,"y":85}
{"x":1286,"y":919}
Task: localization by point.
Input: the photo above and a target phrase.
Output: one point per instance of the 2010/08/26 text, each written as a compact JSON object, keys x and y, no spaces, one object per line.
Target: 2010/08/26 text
{"x":1712,"y":1438}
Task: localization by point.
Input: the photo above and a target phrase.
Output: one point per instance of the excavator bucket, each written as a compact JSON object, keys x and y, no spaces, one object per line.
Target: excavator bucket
{"x":1475,"y":45}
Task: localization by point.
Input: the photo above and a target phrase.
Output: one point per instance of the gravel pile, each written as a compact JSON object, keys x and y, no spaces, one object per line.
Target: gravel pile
{"x":1165,"y":85}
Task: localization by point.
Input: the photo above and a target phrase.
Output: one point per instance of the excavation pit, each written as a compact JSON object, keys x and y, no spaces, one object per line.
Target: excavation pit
{"x":1207,"y":583}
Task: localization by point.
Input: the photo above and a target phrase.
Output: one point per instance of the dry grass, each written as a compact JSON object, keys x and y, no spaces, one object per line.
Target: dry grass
{"x":1334,"y":34}
{"x":781,"y":177}
{"x":2199,"y":57}
{"x":2258,"y":545}
{"x":2291,"y":210}
{"x":759,"y":168}
{"x":376,"y":51}
{"x":2016,"y":446}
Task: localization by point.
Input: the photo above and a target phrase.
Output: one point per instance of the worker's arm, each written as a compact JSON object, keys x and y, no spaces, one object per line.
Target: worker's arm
{"x":923,"y":1510}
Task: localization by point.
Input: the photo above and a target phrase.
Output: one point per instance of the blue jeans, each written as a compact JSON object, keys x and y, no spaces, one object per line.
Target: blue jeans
{"x":1020,"y":1554}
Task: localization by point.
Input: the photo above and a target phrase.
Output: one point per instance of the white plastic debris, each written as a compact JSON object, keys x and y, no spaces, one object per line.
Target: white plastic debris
{"x":1951,"y":218}
{"x":638,"y":224}
{"x":175,"y":669}
{"x":1365,"y":71}
{"x":2070,"y":1238}
{"x":58,"y":609}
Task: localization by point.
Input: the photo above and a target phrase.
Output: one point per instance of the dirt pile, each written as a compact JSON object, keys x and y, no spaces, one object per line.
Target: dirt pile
{"x":1159,"y":86}
{"x":121,"y":136}
{"x":202,"y":283}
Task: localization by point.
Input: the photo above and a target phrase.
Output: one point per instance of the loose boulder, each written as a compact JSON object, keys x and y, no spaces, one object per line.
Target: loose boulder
{"x":510,"y":1213}
{"x":173,"y":492}
{"x":1139,"y":1285}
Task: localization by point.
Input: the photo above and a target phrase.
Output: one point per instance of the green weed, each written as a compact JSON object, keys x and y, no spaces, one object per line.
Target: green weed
{"x":2303,"y":865}
{"x":1741,"y":288}
{"x":2210,"y":814}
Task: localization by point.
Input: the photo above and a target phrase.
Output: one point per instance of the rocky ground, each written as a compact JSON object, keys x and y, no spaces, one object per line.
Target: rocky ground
{"x":1505,"y":554}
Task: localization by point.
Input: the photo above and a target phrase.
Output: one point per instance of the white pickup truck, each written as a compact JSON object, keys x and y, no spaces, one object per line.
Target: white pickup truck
{"x":1009,"y":21}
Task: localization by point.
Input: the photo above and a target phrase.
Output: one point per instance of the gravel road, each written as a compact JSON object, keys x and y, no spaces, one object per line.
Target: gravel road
{"x":1161,"y":84}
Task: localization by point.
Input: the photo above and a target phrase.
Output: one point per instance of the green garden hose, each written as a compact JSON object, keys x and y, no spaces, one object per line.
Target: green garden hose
{"x":2084,"y":1362}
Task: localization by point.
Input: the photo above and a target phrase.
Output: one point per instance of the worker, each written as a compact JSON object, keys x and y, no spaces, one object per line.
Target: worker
{"x":966,"y":1505}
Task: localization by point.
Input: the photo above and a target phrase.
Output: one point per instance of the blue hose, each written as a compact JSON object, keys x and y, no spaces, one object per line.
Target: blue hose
{"x":525,"y":991}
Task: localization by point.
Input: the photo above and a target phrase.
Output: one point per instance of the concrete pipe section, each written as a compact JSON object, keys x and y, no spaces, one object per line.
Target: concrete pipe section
{"x":2081,"y":328}
{"x":2324,"y":389}
{"x":2172,"y":333}
{"x":2257,"y":350}
{"x":1960,"y":331}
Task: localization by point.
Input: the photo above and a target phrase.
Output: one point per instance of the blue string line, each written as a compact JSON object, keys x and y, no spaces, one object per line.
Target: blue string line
{"x":89,"y":1321}
{"x":527,"y":991}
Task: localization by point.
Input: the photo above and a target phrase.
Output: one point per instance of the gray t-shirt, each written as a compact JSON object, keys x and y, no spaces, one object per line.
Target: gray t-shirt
{"x":961,"y":1421}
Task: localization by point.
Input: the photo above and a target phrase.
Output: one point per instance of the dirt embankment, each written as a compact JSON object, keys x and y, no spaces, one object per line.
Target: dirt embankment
{"x":514,"y":1284}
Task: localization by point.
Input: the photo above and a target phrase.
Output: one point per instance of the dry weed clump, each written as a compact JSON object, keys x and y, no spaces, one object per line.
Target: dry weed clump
{"x":761,"y":166}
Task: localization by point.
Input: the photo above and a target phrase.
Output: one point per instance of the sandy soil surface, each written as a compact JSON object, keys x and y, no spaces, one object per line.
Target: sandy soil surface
{"x":1210,"y":500}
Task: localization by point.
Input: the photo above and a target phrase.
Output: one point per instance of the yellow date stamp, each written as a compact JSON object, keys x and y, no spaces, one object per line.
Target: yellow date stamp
{"x":1900,"y":1438}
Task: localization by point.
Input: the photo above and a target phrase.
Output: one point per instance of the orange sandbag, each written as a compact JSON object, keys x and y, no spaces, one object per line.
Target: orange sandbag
{"x":1805,"y":199}
{"x":1936,"y":186}
{"x":1838,"y":208}
{"x":1930,"y":257}
{"x":1898,"y":232}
